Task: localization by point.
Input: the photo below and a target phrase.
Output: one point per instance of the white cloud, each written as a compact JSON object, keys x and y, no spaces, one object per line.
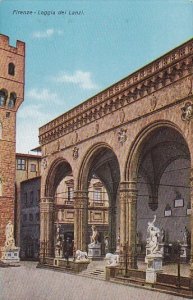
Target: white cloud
{"x":44,"y":95}
{"x":41,"y":94}
{"x":46,"y":34}
{"x":31,"y":111}
{"x":82,"y":79}
{"x":29,"y":118}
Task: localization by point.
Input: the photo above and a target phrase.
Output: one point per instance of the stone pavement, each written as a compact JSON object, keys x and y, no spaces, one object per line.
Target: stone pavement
{"x":28,"y":283}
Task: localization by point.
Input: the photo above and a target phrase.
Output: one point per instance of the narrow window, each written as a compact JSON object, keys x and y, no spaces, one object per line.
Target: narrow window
{"x":21,"y":164}
{"x":11,"y":69}
{"x":3,"y":97}
{"x":33,"y":167}
{"x":97,"y":194}
{"x":12,"y":100}
{"x":70,"y":193}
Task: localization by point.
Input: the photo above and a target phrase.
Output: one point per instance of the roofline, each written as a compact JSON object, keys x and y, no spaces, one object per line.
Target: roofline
{"x":122,"y":79}
{"x":28,"y":155}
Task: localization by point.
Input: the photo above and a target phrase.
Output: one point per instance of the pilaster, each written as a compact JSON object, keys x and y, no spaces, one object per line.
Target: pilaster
{"x":80,"y":220}
{"x":46,"y":226}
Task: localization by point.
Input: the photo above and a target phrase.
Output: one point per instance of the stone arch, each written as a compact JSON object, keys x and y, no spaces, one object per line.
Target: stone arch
{"x":58,"y":170}
{"x":132,"y":164}
{"x":102,"y":161}
{"x":156,"y":148}
{"x":88,"y":160}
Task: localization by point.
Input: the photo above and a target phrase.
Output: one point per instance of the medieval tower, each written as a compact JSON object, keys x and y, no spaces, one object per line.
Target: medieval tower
{"x":12,"y":67}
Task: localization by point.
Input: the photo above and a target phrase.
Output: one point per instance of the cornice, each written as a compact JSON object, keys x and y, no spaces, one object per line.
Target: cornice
{"x":168,"y":69}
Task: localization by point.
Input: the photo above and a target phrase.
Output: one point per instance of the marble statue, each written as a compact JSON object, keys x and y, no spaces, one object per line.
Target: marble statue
{"x":152,"y":237}
{"x":113,"y":259}
{"x":9,"y":234}
{"x":95,"y":235}
{"x":80,"y":255}
{"x":106,"y":242}
{"x":94,"y":248}
{"x":186,"y":236}
{"x":162,"y":235}
{"x":58,"y":244}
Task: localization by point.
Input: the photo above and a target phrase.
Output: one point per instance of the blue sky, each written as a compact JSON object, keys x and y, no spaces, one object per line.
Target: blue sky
{"x":70,"y":58}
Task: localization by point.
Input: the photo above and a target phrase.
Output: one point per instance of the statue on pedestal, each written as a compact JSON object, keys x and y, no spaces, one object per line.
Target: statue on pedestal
{"x":58,"y":244}
{"x":94,"y":248}
{"x":186,"y":236}
{"x":153,"y":233}
{"x":94,"y":236}
{"x":162,"y":235}
{"x":9,"y":234}
{"x":10,"y":253}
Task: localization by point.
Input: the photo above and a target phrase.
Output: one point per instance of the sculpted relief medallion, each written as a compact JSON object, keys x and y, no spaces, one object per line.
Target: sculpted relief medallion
{"x":122,"y":137}
{"x":44,"y":163}
{"x":75,"y":153}
{"x":153,"y":101}
{"x":187,"y":111}
{"x":121,"y":116}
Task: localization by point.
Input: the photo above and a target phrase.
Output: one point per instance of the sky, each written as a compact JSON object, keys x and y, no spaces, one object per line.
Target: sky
{"x":75,"y":49}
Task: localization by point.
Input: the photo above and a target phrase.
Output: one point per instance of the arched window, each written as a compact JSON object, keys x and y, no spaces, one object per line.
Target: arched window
{"x":12,"y":100}
{"x":11,"y":69}
{"x":1,"y":187}
{"x":3,"y":97}
{"x":1,"y":131}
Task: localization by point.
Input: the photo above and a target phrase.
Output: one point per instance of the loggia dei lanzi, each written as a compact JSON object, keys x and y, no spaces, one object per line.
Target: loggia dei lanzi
{"x":48,"y":12}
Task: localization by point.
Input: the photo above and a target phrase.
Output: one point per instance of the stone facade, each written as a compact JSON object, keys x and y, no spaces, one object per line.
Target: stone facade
{"x":12,"y":62}
{"x":27,"y":166}
{"x":128,"y":134}
{"x":30,"y":218}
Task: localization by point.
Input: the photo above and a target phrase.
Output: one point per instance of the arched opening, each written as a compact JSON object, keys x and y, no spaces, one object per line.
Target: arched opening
{"x":161,"y":168}
{"x":3,"y":97}
{"x":59,"y":188}
{"x":12,"y":100}
{"x":11,"y":69}
{"x":99,"y":179}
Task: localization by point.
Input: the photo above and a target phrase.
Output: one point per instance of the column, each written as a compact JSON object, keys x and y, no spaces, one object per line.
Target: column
{"x":132,"y":225}
{"x":80,"y":220}
{"x":112,"y":225}
{"x":128,"y":224}
{"x":46,"y":227}
{"x":123,"y":196}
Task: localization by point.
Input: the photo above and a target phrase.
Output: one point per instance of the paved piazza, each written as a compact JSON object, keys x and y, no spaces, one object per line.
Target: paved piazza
{"x":28,"y":283}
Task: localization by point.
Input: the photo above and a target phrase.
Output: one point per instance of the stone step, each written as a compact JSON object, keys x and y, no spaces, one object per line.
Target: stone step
{"x":94,"y":273}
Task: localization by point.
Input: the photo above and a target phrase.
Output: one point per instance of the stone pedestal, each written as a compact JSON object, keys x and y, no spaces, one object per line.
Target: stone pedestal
{"x":58,"y":252}
{"x":154,"y":265}
{"x":10,"y":256}
{"x":94,"y":250}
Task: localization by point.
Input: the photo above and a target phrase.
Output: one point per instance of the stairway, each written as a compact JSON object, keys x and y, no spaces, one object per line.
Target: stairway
{"x":96,"y":269}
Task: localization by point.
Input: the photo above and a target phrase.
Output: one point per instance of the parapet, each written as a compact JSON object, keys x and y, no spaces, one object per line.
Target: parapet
{"x":4,"y":44}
